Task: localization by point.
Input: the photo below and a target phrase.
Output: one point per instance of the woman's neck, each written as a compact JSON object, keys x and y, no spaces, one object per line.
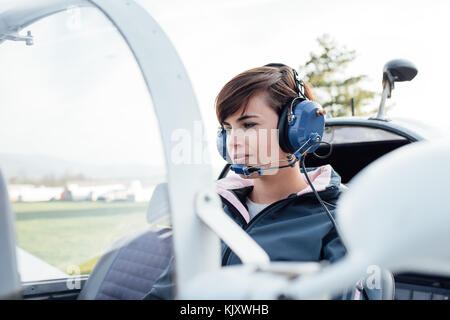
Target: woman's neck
{"x":271,"y":188}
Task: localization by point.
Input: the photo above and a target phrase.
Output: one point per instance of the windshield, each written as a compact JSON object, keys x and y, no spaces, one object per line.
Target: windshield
{"x":79,"y":142}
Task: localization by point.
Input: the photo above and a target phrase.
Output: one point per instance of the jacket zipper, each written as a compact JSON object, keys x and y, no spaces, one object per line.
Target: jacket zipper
{"x":247,"y":225}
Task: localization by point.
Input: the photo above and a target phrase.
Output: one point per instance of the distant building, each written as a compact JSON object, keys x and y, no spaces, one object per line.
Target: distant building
{"x":77,"y":192}
{"x":29,"y":193}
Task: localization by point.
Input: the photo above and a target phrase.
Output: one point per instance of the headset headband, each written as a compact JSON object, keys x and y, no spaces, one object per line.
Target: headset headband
{"x":298,"y":82}
{"x":298,"y":86}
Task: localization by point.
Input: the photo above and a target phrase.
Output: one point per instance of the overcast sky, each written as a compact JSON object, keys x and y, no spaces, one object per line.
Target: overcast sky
{"x":78,"y":94}
{"x":218,"y":39}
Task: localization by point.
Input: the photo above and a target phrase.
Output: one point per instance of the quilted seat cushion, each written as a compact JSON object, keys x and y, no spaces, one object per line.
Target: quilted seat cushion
{"x":136,"y":267}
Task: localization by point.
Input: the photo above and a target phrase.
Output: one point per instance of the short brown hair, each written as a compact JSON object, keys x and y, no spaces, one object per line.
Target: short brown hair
{"x":278,"y":82}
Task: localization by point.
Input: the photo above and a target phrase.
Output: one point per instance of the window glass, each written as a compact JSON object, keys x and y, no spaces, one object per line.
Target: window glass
{"x":79,"y":142}
{"x":355,"y":134}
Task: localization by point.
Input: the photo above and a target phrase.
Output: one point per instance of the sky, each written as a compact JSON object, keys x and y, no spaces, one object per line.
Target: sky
{"x":78,"y":94}
{"x":232,"y":36}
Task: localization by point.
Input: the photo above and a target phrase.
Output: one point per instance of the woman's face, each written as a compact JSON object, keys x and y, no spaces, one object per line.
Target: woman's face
{"x":252,"y":137}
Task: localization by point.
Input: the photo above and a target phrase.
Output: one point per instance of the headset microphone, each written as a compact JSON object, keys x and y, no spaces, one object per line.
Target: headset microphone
{"x":292,"y":159}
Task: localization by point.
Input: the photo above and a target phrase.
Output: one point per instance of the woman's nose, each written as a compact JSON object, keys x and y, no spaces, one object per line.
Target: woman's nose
{"x":235,"y":137}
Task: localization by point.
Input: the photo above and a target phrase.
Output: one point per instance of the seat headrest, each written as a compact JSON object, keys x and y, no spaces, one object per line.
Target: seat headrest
{"x":158,"y":210}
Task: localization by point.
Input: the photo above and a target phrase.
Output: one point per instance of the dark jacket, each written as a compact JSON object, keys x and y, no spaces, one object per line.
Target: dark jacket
{"x":296,"y":228}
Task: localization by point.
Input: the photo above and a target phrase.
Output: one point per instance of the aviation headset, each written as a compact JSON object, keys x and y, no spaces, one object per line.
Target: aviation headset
{"x":300,"y":129}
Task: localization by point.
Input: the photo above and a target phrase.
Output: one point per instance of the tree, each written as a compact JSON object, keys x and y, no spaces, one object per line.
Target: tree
{"x":332,"y":90}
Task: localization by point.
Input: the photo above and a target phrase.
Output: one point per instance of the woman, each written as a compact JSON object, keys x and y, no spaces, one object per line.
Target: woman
{"x":278,"y":209}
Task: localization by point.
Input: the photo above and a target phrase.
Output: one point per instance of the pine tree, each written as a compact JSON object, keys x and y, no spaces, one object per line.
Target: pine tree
{"x":333,"y":91}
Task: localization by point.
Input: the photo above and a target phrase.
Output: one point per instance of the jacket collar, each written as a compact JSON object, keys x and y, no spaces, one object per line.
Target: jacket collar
{"x":325,"y":180}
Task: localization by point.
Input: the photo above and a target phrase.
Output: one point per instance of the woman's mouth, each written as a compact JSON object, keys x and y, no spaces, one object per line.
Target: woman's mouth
{"x":241,"y":159}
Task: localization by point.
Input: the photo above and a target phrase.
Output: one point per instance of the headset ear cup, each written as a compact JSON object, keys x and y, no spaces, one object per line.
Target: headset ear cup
{"x":283,"y":137}
{"x":305,"y":125}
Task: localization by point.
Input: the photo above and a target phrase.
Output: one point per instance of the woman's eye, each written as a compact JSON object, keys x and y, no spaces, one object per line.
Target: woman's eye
{"x":249,"y":124}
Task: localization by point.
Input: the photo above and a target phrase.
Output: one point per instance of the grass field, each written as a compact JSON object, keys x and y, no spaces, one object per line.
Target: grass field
{"x":75,"y":233}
